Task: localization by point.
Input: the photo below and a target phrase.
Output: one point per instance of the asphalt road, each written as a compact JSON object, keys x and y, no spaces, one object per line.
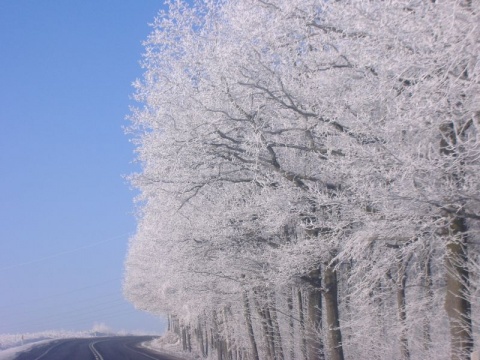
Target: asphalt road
{"x":101,"y":348}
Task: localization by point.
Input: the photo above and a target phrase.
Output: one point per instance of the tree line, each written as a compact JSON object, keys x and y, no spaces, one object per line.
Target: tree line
{"x":310,"y":178}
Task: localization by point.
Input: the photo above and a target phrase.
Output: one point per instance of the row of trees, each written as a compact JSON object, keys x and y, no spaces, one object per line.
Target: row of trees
{"x":310,"y":178}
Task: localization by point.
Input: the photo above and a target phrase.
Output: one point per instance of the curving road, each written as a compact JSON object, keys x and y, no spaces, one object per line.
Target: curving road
{"x":104,"y":348}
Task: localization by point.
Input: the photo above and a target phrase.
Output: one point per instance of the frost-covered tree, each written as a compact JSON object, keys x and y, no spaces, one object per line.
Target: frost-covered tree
{"x":310,"y":178}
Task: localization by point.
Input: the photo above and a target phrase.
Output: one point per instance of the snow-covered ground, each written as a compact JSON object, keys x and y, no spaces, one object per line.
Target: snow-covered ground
{"x":11,"y":353}
{"x":8,"y":341}
{"x":169,"y":343}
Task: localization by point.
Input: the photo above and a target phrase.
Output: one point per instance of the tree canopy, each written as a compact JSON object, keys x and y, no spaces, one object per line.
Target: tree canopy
{"x":309,"y":184}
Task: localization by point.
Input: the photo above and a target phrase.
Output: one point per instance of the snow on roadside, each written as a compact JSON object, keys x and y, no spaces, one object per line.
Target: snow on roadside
{"x":11,"y":353}
{"x":8,"y":341}
{"x":12,"y":344}
{"x":169,"y":344}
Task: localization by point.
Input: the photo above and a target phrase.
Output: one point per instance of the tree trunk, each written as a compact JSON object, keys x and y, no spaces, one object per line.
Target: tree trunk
{"x":302,"y":324}
{"x":331,"y":307}
{"x":213,"y":342}
{"x":457,"y":305}
{"x":291,"y":325}
{"x":428,"y":283}
{"x":248,"y":320}
{"x":315,"y":348}
{"x":184,"y":339}
{"x":189,"y":339}
{"x":206,"y":340}
{"x":201,"y":343}
{"x":228,"y":345}
{"x":216,"y":336}
{"x":266,"y":326}
{"x":174,"y":325}
{"x":401,"y":307}
{"x":219,"y":350}
{"x":270,"y":331}
{"x":277,"y":337}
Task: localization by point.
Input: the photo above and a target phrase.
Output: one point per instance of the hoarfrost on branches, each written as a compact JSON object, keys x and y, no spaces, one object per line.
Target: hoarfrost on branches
{"x":309,"y":184}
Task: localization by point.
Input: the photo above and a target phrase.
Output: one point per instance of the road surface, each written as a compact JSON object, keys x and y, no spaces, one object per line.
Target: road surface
{"x":101,"y":348}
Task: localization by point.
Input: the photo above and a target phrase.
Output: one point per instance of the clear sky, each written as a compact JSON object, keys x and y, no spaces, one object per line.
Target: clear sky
{"x":66,"y":213}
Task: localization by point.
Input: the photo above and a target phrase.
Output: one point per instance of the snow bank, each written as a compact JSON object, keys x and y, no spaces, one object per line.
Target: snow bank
{"x":11,"y":353}
{"x":169,"y":344}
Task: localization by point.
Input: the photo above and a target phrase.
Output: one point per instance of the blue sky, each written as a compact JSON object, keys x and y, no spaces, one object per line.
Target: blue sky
{"x":66,"y":213}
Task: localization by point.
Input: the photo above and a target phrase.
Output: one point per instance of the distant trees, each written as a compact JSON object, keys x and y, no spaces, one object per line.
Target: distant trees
{"x":310,"y":186}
